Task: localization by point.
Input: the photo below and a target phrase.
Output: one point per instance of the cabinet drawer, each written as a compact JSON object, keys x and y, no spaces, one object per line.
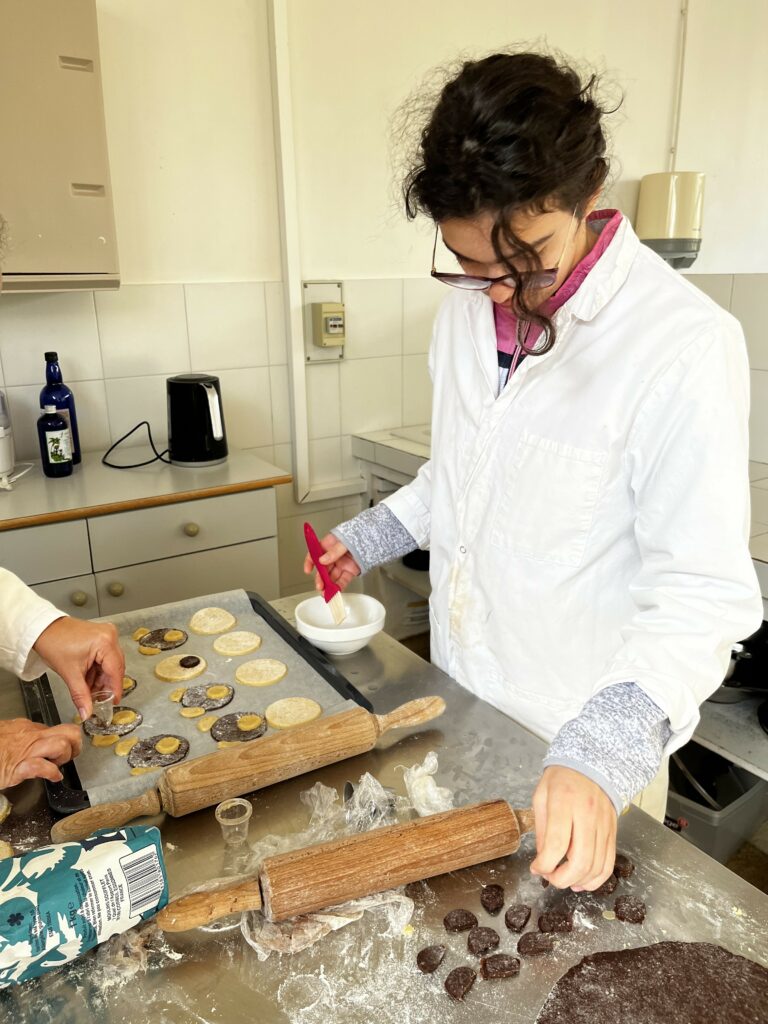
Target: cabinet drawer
{"x":252,"y":566}
{"x":40,"y":553}
{"x":130,"y":538}
{"x":76,"y":596}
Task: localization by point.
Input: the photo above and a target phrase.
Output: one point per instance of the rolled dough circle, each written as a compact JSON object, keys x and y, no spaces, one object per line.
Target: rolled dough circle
{"x":177,"y":694}
{"x":104,"y":741}
{"x":228,"y":728}
{"x":164,"y":639}
{"x":292,"y":711}
{"x":122,"y":747}
{"x":232,"y":645}
{"x":170,"y":670}
{"x":192,"y":712}
{"x":261,"y":672}
{"x":121,"y":723}
{"x":208,"y":697}
{"x":204,"y":724}
{"x":129,"y":683}
{"x":208,"y":621}
{"x":145,"y":754}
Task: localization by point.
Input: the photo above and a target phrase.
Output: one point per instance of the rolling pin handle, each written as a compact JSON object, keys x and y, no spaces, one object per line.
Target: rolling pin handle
{"x":415,"y":712}
{"x":200,"y":908}
{"x":81,"y":824}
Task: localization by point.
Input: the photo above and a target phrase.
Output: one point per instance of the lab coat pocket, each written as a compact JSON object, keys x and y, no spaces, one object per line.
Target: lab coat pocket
{"x":548,"y":500}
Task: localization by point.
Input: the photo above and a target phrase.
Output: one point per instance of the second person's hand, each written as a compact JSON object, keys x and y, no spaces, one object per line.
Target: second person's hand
{"x":340,"y":564}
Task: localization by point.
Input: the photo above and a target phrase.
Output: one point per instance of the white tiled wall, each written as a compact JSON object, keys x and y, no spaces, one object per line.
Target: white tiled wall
{"x":117,"y":348}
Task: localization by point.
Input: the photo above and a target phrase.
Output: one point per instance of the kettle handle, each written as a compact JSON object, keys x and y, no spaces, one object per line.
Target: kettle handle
{"x":214,"y":408}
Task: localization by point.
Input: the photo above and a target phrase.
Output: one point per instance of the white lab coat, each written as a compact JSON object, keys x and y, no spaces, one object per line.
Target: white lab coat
{"x":23,"y":617}
{"x":590,"y":526}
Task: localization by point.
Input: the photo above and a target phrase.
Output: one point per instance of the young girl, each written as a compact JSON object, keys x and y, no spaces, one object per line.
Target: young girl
{"x":586,"y":505}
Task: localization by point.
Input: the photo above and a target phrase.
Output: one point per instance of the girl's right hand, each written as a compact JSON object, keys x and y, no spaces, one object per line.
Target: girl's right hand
{"x":341,"y":565}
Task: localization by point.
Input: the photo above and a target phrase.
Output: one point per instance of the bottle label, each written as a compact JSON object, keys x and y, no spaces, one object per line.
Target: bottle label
{"x":64,"y":413}
{"x":59,"y":446}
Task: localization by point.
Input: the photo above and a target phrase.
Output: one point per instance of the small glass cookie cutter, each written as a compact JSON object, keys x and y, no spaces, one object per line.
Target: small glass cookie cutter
{"x":103,"y":706}
{"x":234,"y":818}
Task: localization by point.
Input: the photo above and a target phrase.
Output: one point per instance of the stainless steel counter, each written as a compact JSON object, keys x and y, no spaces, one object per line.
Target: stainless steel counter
{"x":358,"y":973}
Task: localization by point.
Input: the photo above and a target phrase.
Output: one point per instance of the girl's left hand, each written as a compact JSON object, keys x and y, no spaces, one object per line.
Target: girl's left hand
{"x":576,"y":820}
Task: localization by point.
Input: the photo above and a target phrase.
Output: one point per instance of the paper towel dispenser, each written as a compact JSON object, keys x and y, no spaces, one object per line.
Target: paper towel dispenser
{"x":669,"y":214}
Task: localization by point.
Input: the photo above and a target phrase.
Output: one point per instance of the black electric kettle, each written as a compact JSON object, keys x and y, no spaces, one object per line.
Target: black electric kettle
{"x":196,"y":432}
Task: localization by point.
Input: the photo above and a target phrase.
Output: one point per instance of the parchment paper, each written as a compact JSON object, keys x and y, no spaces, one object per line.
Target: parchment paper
{"x":104,"y":775}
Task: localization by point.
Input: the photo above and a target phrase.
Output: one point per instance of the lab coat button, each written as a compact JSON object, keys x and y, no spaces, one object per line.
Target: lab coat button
{"x":462,"y":549}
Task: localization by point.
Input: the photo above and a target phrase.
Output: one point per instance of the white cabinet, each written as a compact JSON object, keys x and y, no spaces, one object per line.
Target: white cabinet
{"x":40,"y":553}
{"x":76,"y":596}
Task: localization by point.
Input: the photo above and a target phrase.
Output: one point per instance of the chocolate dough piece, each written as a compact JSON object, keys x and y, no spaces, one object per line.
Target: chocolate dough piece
{"x":535,"y":943}
{"x":544,"y":883}
{"x":492,"y":898}
{"x":516,"y":917}
{"x":558,"y":920}
{"x":157,"y":638}
{"x":607,"y":887}
{"x":459,"y":982}
{"x":144,"y":755}
{"x":190,"y":661}
{"x":197,"y":697}
{"x":481,"y":940}
{"x":668,"y":981}
{"x":416,"y":890}
{"x":459,"y":920}
{"x":500,"y":965}
{"x":623,"y":866}
{"x":430,"y":958}
{"x":630,"y":909}
{"x":226,"y":727}
{"x":94,"y":727}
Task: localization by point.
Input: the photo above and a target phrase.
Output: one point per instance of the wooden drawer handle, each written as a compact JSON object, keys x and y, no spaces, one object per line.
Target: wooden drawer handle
{"x":116,"y":589}
{"x":79,"y":598}
{"x":191,"y":529}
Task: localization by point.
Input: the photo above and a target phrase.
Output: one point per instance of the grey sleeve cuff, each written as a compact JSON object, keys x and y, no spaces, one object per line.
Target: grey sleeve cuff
{"x":617,"y":741}
{"x":374,"y":537}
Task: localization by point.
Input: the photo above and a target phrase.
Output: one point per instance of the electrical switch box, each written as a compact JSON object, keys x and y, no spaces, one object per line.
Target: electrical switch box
{"x":328,"y":324}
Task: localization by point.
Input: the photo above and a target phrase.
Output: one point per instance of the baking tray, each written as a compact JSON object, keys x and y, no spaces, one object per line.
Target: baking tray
{"x":71,"y":794}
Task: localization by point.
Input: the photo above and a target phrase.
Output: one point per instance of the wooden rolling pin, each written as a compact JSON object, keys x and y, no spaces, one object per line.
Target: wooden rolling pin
{"x":322,"y":876}
{"x":204,"y":781}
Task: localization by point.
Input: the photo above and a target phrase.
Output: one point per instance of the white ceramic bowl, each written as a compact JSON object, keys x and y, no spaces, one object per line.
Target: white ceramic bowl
{"x":365,"y":618}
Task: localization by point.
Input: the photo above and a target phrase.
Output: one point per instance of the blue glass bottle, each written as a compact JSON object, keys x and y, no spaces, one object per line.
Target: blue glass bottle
{"x":55,"y":451}
{"x":57,"y":393}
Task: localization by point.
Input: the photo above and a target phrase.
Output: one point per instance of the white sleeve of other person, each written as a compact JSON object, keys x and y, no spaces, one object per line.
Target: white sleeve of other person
{"x":23,"y":617}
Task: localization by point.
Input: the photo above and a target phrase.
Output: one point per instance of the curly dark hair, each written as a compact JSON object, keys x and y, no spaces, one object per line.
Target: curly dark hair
{"x":513,"y":132}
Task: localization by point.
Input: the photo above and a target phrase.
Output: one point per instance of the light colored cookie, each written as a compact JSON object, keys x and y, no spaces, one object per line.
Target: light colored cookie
{"x":172,"y":635}
{"x":137,"y":634}
{"x":205,"y":723}
{"x":122,"y":747}
{"x":208,"y":621}
{"x":292,"y":711}
{"x":144,"y":770}
{"x":248,"y":722}
{"x":217,"y":691}
{"x":171,"y":670}
{"x":129,"y":683}
{"x":232,"y":645}
{"x":261,"y":672}
{"x":191,"y":712}
{"x":228,"y":743}
{"x":167,"y":745}
{"x":6,"y":850}
{"x":149,"y":651}
{"x":177,"y":694}
{"x":105,"y":741}
{"x":124,"y":717}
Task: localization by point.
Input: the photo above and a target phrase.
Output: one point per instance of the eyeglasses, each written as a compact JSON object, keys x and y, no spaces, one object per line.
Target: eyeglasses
{"x":531,"y":279}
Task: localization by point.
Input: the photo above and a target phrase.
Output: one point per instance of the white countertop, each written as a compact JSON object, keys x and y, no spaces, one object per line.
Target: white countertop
{"x":733,"y":731}
{"x":94,"y":489}
{"x":403,"y":449}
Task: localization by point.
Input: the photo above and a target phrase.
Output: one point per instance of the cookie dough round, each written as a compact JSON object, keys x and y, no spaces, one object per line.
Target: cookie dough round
{"x":261,"y":672}
{"x":164,"y":639}
{"x":208,"y":621}
{"x":209,"y":698}
{"x":239,"y":726}
{"x":144,"y":771}
{"x":292,"y":711}
{"x":124,"y":720}
{"x":192,"y":712}
{"x":232,"y":645}
{"x":149,"y":651}
{"x":180,"y":667}
{"x":137,"y":634}
{"x":205,"y":723}
{"x":177,"y":694}
{"x":122,"y":747}
{"x":104,"y":741}
{"x":145,"y":753}
{"x":129,"y":684}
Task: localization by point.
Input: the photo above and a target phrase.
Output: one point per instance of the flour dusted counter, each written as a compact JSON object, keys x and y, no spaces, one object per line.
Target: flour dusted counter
{"x":105,"y":541}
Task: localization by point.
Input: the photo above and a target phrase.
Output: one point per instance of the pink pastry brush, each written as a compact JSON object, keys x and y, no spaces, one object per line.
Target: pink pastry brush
{"x":331,"y":592}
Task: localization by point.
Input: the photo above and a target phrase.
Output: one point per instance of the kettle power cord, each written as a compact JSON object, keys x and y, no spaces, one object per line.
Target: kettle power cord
{"x":158,"y":456}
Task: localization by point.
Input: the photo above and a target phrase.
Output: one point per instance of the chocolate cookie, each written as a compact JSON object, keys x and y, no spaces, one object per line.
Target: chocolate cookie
{"x":417,"y":890}
{"x":133,"y":718}
{"x":211,"y":697}
{"x":516,"y":917}
{"x":607,"y":887}
{"x":430,"y":958}
{"x":481,"y":940}
{"x":492,"y":898}
{"x":164,"y":639}
{"x":239,"y":726}
{"x":459,"y":920}
{"x":500,"y":965}
{"x":535,"y":943}
{"x":145,"y":754}
{"x":629,"y":909}
{"x":623,"y":866}
{"x":459,"y":982}
{"x":559,"y":920}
